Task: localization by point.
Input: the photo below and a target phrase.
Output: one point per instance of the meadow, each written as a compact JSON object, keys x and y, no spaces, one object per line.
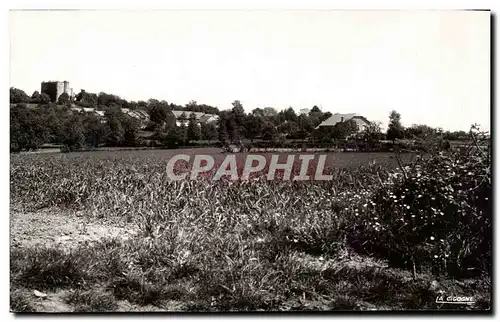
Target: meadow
{"x":386,"y":233}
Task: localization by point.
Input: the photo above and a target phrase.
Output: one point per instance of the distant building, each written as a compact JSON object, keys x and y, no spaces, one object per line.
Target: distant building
{"x":360,"y":121}
{"x":201,"y":118}
{"x":54,"y":89}
{"x":141,"y":115}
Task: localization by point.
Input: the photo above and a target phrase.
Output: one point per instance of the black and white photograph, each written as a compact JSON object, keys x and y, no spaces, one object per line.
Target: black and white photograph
{"x":250,"y":161}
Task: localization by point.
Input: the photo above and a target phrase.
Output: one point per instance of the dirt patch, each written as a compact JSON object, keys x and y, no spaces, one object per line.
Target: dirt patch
{"x":59,"y":228}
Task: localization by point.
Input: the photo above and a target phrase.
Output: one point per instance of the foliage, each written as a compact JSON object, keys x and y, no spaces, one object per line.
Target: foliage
{"x":44,"y":98}
{"x":209,"y":131}
{"x":86,"y":99}
{"x":36,"y":98}
{"x":63,"y":99}
{"x":395,"y":129}
{"x":436,"y":213}
{"x":27,"y":129}
{"x":193,"y":130}
{"x":272,"y":245}
{"x":18,"y":96}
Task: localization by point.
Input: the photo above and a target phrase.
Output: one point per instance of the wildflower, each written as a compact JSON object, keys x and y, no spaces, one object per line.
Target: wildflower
{"x":432,"y":238}
{"x":407,"y":206}
{"x":436,"y":256}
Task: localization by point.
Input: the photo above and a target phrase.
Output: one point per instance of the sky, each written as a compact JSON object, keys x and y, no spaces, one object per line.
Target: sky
{"x":433,"y":67}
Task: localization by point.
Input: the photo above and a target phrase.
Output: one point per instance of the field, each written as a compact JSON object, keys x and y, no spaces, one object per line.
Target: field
{"x":102,"y":231}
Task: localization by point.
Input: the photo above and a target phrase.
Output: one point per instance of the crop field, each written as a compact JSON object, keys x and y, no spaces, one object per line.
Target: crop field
{"x":108,"y":231}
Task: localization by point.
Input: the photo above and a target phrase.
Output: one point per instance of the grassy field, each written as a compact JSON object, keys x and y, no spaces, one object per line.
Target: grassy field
{"x":101,"y":231}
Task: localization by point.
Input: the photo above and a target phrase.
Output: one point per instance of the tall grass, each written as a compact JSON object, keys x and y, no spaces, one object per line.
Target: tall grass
{"x":222,"y":245}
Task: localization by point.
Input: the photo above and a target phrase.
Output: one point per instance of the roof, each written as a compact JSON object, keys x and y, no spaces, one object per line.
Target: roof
{"x":337,"y":117}
{"x":200,"y":116}
{"x":206,"y":117}
{"x":87,"y":110}
{"x":143,"y":113}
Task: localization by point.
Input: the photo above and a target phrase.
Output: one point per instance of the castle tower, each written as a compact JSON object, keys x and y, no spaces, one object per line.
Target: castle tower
{"x":55,"y":89}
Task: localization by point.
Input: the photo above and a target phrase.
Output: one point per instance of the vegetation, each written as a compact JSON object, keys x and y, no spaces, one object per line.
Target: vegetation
{"x":50,"y":122}
{"x":266,"y":245}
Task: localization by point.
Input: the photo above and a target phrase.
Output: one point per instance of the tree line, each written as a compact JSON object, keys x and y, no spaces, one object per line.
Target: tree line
{"x":55,"y":122}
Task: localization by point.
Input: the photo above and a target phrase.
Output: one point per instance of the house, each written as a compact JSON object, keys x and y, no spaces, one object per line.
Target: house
{"x":141,"y":115}
{"x":90,"y":110}
{"x":361,"y":121}
{"x":201,"y":118}
{"x":84,"y":109}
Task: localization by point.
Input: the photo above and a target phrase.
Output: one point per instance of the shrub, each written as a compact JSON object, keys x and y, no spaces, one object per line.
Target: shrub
{"x":435,"y":213}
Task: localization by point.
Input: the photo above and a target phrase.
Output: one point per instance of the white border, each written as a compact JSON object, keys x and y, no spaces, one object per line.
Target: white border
{"x":190,"y":5}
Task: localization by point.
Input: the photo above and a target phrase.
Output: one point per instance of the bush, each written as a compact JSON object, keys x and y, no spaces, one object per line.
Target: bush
{"x":435,"y":213}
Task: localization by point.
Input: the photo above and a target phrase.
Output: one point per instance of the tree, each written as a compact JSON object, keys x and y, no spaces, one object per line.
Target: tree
{"x":28,"y":129}
{"x":18,"y":96}
{"x":130,"y":127}
{"x":44,"y":98}
{"x":290,"y":115}
{"x":172,"y":138}
{"x":35,"y":98}
{"x":193,"y":130}
{"x":289,"y":128}
{"x":395,"y":129}
{"x":86,"y":99}
{"x":115,"y":129}
{"x":182,"y":130}
{"x":63,"y":99}
{"x":258,"y":112}
{"x":372,"y":134}
{"x":158,"y":115}
{"x":419,"y":131}
{"x":238,"y":109}
{"x":342,"y":130}
{"x":269,"y":112}
{"x":95,"y":131}
{"x":108,"y":99}
{"x":223,"y":136}
{"x":74,"y":138}
{"x":236,"y":126}
{"x":192,"y":106}
{"x":209,"y":131}
{"x":253,"y":126}
{"x":315,"y":109}
{"x":268,"y":131}
{"x":373,"y":131}
{"x":305,"y":126}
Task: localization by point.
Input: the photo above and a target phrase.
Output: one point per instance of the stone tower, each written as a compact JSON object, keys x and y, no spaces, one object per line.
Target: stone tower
{"x":54,"y":89}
